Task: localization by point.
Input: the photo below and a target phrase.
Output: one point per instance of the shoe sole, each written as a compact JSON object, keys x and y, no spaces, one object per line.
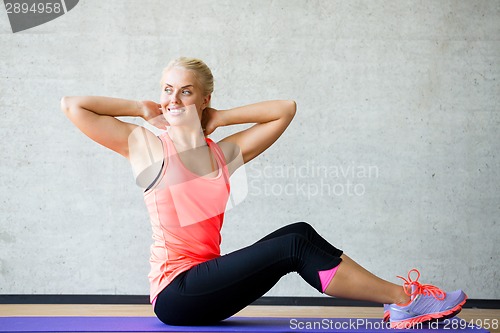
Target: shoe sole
{"x":387,"y":316}
{"x":409,"y":323}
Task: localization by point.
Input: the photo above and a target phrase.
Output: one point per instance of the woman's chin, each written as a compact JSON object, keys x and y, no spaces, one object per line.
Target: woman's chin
{"x":184,"y":124}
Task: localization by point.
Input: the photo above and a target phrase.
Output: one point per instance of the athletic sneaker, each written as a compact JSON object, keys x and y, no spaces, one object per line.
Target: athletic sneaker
{"x":387,"y":312}
{"x":427,"y":303}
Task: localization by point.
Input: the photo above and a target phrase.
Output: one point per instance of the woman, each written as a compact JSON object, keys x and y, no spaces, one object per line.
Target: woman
{"x":186,"y":181}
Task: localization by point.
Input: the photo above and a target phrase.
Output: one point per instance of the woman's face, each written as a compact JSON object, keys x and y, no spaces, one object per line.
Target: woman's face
{"x":182,"y":99}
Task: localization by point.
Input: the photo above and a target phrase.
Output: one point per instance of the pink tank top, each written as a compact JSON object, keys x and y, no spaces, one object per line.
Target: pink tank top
{"x":186,"y":213}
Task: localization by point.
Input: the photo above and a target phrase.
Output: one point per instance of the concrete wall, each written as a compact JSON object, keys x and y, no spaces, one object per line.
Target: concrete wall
{"x":393,"y":155}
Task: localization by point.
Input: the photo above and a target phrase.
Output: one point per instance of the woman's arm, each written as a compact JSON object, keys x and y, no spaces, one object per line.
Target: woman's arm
{"x":271,"y":118}
{"x":95,"y":117}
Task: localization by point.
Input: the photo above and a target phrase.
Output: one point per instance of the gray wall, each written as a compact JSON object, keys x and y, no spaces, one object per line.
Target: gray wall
{"x":393,"y":155}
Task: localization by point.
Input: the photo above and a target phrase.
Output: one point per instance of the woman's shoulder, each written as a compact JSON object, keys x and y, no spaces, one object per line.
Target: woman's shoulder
{"x":232,"y":154}
{"x":146,"y":155}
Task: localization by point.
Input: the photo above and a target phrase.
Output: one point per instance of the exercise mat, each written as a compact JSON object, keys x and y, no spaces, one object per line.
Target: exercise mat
{"x":233,"y":324}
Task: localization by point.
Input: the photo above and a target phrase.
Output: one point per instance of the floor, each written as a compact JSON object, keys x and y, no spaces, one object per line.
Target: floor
{"x":480,"y":317}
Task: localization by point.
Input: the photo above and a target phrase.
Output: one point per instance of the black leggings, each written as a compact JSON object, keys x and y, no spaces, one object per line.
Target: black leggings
{"x":216,"y":289}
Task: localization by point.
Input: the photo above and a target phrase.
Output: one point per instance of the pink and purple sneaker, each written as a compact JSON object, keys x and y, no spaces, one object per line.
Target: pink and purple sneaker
{"x":427,"y":303}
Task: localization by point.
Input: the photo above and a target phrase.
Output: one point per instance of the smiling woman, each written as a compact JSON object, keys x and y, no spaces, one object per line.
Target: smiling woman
{"x":186,"y":179}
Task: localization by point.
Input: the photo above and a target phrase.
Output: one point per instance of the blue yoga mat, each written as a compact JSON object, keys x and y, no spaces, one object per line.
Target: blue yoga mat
{"x":234,"y":324}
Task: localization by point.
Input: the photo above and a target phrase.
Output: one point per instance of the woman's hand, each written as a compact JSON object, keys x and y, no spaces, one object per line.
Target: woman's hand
{"x":210,"y":120}
{"x":153,"y":114}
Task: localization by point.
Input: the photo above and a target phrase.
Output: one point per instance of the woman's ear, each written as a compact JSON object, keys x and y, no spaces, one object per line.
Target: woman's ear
{"x":206,"y":101}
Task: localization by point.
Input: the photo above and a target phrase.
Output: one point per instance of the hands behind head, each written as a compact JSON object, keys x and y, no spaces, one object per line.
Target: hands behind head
{"x":210,"y":120}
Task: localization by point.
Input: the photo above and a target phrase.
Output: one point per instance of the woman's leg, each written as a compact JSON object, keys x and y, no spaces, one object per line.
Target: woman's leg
{"x":217,"y":289}
{"x":305,"y":229}
{"x":419,"y":303}
{"x":350,"y":280}
{"x":354,"y":282}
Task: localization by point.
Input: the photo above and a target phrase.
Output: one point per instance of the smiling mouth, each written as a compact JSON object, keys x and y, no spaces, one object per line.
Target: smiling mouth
{"x":177,"y":111}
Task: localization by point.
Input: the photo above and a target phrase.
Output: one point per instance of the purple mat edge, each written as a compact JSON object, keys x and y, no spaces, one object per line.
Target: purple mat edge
{"x":234,"y":324}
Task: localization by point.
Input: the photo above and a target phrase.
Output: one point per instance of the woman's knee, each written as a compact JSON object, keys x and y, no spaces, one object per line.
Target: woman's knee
{"x":303,"y":228}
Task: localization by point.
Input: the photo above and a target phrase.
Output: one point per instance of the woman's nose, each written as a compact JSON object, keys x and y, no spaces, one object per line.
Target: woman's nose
{"x":174,"y":98}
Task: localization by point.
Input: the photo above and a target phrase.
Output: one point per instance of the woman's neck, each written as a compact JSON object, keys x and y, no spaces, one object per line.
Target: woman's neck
{"x":186,"y":139}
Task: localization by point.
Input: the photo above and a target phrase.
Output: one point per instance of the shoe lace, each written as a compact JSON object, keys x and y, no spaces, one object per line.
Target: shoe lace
{"x":419,"y":288}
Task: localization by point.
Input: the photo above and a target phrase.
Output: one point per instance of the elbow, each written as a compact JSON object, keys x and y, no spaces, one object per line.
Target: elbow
{"x":291,"y":108}
{"x":65,"y":104}
{"x":68,"y":104}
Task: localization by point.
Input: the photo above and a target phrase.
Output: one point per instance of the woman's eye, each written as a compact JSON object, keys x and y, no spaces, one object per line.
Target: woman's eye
{"x":168,"y":90}
{"x":186,"y":92}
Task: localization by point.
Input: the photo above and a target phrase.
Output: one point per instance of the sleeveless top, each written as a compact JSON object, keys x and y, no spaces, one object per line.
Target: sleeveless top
{"x":186,"y":212}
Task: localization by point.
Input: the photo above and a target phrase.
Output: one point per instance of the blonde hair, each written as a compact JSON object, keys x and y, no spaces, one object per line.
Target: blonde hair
{"x":200,"y":70}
